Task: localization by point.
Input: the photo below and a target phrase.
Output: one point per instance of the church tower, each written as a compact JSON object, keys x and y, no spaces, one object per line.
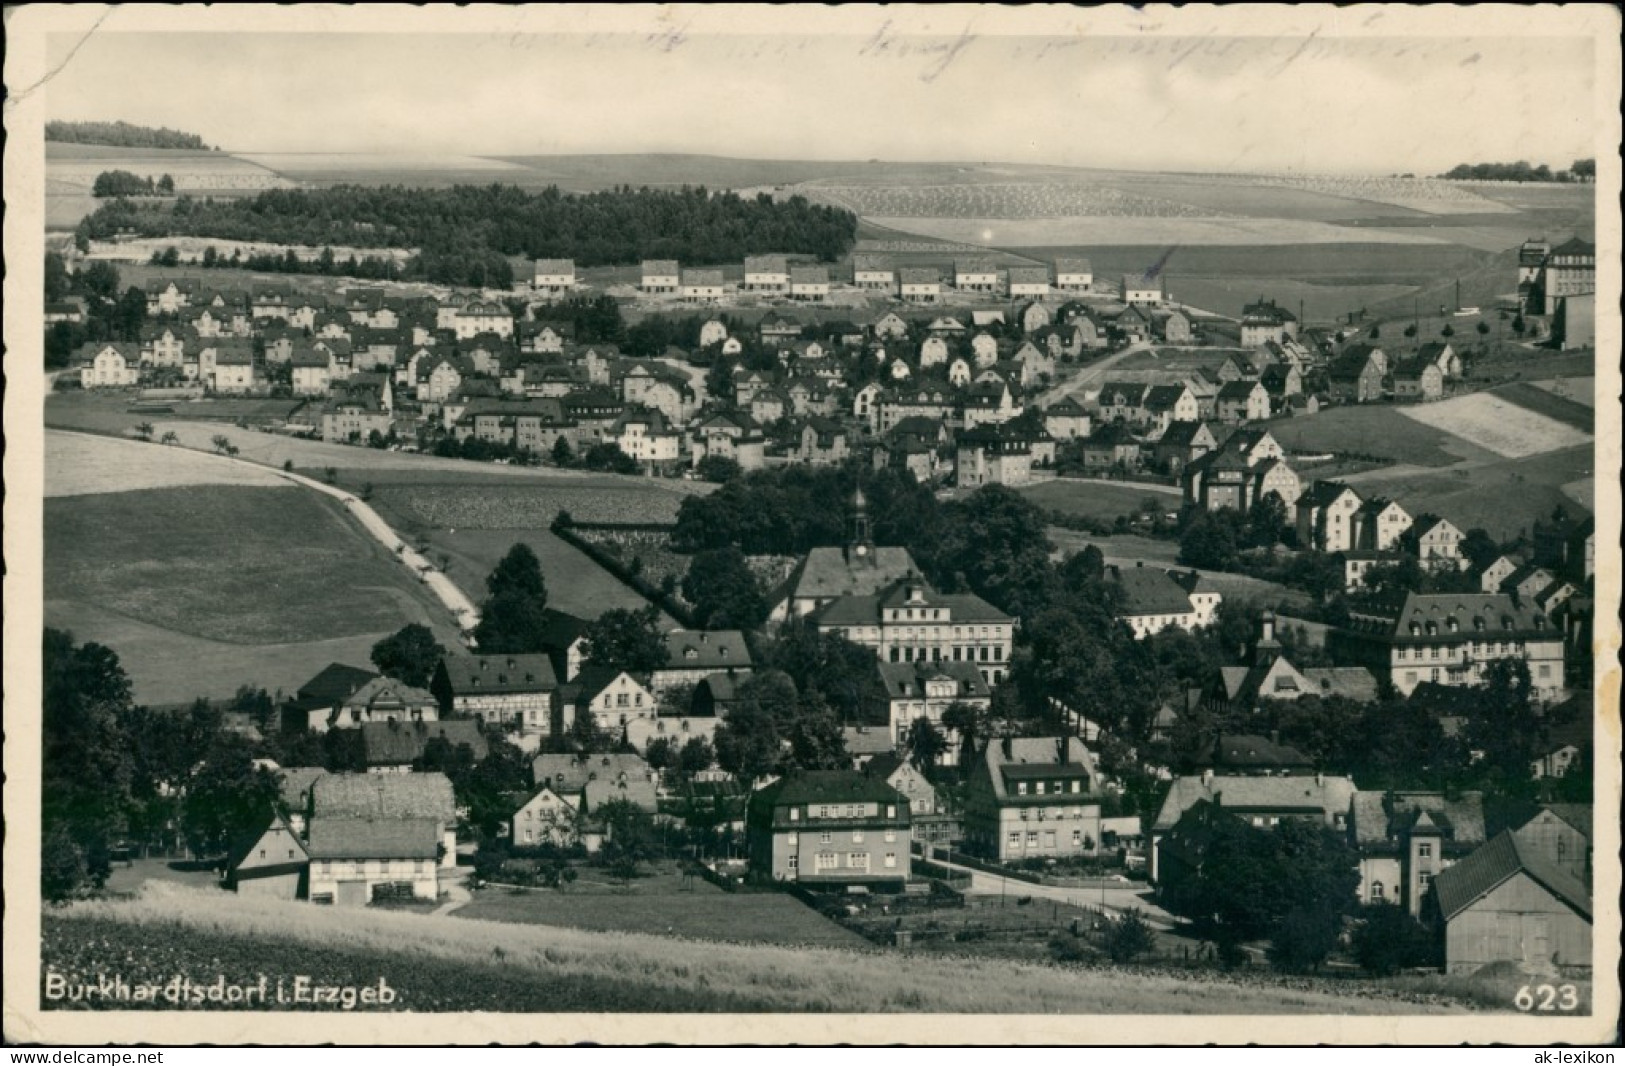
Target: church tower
{"x":860,"y":548}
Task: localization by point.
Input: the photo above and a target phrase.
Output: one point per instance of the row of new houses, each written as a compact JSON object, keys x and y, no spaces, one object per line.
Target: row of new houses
{"x":778,"y":275}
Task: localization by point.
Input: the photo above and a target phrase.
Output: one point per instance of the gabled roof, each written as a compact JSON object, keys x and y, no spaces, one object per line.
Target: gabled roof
{"x":1576,"y":815}
{"x":555,"y":266}
{"x":1238,"y":390}
{"x":827,"y":572}
{"x":1379,"y":818}
{"x":1029,"y":275}
{"x":1013,"y":758}
{"x":713,"y":650}
{"x":1070,"y":265}
{"x":1466,"y":882}
{"x":766,"y":264}
{"x":414,"y":795}
{"x":569,"y":774}
{"x":403,"y":743}
{"x":374,"y":838}
{"x":825,"y":787}
{"x":1324,"y":494}
{"x":474,"y":675}
{"x":1149,"y":590}
{"x":919,"y":276}
{"x":1323,"y":795}
{"x":907,"y":680}
{"x":594,"y":679}
{"x":335,"y":683}
{"x":661,"y":268}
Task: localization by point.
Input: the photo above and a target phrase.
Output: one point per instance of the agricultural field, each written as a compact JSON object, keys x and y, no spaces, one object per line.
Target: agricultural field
{"x":1495,"y":423}
{"x":78,"y":464}
{"x":71,"y":169}
{"x":648,"y":553}
{"x":1552,"y":404}
{"x":447,"y":963}
{"x":109,"y":412}
{"x":166,"y":576}
{"x":665,"y":905}
{"x":1169,"y":231}
{"x":1009,"y":200}
{"x":1503,"y":497}
{"x":1098,"y":499}
{"x":1582,"y":391}
{"x":473,"y":526}
{"x":1390,"y":432}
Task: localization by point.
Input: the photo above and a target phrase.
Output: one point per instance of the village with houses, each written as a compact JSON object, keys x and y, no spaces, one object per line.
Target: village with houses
{"x":886,"y":738}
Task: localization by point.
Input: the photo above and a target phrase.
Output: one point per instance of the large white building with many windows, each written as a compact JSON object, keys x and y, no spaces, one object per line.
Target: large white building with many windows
{"x":911,"y":622}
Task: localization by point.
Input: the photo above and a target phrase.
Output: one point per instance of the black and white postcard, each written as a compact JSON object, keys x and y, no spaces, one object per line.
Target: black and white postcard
{"x":871,"y":524}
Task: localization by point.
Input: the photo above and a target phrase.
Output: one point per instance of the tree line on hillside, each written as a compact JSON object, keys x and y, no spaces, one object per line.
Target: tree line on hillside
{"x":622,"y":225}
{"x":123,"y":183}
{"x":122,"y":135}
{"x":1581,"y":170}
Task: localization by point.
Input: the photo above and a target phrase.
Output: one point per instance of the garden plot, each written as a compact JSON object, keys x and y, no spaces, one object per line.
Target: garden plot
{"x":1497,"y":425}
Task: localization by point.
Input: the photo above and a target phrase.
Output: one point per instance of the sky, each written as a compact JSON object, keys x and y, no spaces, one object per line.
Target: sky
{"x":1309,"y":103}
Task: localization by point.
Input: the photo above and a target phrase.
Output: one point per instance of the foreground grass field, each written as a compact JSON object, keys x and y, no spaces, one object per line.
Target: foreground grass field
{"x":670,"y":905}
{"x":447,"y":964}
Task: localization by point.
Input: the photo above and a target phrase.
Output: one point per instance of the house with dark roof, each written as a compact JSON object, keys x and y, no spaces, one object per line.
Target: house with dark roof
{"x":612,"y":696}
{"x":1245,"y":753}
{"x":382,"y":699}
{"x":1405,"y":839}
{"x":1182,"y":443}
{"x":564,"y":642}
{"x":1151,"y":600}
{"x":1242,"y":401}
{"x":1033,"y":798}
{"x":695,"y":654}
{"x":1450,"y":639}
{"x":933,"y":822}
{"x":271,"y":863}
{"x":1417,"y":379}
{"x":1263,"y":321}
{"x":831,"y":827}
{"x":1506,"y":903}
{"x":1356,"y":376}
{"x":394,"y":747}
{"x":1262,"y":802}
{"x":924,"y":690}
{"x":362,"y":812}
{"x":569,"y":775}
{"x":1066,"y":419}
{"x":315,"y":701}
{"x":358,"y":861}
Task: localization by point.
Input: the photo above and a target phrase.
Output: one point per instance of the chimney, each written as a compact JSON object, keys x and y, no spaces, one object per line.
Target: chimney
{"x":1320,"y":779}
{"x":703,"y":635}
{"x":1207,"y":777}
{"x":1008,"y":749}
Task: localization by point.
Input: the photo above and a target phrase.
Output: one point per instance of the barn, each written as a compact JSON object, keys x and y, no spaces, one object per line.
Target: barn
{"x":1507,"y":903}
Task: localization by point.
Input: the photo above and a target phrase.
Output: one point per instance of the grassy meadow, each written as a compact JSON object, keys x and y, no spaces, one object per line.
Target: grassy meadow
{"x":1375,"y":429}
{"x":447,"y":963}
{"x":666,"y":905}
{"x":203,"y":588}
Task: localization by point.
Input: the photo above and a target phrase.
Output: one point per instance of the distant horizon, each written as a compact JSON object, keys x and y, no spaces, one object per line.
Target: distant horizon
{"x":1339,"y":106}
{"x":1555,"y":165}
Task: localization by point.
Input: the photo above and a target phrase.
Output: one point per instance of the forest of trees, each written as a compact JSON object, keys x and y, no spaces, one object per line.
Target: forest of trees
{"x":492,"y":222}
{"x":1582,"y":170}
{"x":122,"y":135}
{"x":122,"y":183}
